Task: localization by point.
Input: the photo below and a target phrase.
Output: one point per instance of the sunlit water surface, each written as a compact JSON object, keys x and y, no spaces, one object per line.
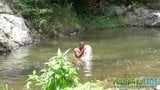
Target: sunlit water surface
{"x":122,"y":52}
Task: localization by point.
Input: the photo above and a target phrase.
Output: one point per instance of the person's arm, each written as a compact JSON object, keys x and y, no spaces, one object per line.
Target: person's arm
{"x":76,"y":52}
{"x":81,"y":53}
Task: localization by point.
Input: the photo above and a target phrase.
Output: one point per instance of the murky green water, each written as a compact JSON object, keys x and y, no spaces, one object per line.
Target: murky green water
{"x":117,"y":53}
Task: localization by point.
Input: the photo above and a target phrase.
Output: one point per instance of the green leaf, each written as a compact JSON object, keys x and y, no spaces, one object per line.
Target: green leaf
{"x":58,"y":75}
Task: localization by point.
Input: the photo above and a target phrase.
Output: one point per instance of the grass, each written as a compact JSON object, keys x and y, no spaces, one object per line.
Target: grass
{"x":101,"y":22}
{"x":105,"y":20}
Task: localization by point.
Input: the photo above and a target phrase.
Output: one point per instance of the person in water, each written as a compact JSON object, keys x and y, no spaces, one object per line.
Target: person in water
{"x":83,"y":54}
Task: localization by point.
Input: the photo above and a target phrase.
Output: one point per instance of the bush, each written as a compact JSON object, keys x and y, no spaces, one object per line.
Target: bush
{"x":58,"y":75}
{"x":135,"y":4}
{"x":49,"y":17}
{"x":102,"y":21}
{"x":58,"y":17}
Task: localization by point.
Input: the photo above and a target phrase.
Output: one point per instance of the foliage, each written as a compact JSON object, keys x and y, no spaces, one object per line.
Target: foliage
{"x":58,"y":75}
{"x":135,"y":5}
{"x":55,"y":17}
{"x":49,"y":17}
{"x":4,"y":87}
{"x":103,"y":21}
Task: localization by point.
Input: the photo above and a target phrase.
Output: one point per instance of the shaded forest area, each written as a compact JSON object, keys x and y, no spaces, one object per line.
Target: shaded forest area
{"x":56,"y":17}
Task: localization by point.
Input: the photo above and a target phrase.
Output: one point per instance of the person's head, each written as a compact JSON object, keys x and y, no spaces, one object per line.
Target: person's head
{"x":81,"y":45}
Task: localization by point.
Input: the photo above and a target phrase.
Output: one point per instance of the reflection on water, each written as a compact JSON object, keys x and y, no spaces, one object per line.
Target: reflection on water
{"x":12,"y":63}
{"x":87,"y":68}
{"x":117,"y":53}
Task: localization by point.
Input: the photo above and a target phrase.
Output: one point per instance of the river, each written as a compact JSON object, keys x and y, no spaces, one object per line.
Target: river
{"x":121,"y":52}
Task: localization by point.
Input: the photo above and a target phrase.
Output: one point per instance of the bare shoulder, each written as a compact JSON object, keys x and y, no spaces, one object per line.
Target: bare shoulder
{"x":76,"y":49}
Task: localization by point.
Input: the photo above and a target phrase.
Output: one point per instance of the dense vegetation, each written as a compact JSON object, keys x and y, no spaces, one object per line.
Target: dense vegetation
{"x":47,"y":16}
{"x":51,"y":17}
{"x":58,"y":75}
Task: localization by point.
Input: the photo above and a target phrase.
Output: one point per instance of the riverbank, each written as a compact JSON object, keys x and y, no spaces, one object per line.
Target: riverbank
{"x":64,"y":19}
{"x":59,"y":19}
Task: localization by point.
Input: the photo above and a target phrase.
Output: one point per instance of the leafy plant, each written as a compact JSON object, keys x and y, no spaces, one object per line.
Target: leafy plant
{"x":4,"y":87}
{"x":135,"y":4}
{"x":49,"y":17}
{"x":58,"y":75}
{"x":102,"y":21}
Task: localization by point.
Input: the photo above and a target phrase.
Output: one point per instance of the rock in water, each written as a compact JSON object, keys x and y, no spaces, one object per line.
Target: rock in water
{"x":119,"y":10}
{"x":13,"y":32}
{"x":4,"y":7}
{"x":143,"y":18}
